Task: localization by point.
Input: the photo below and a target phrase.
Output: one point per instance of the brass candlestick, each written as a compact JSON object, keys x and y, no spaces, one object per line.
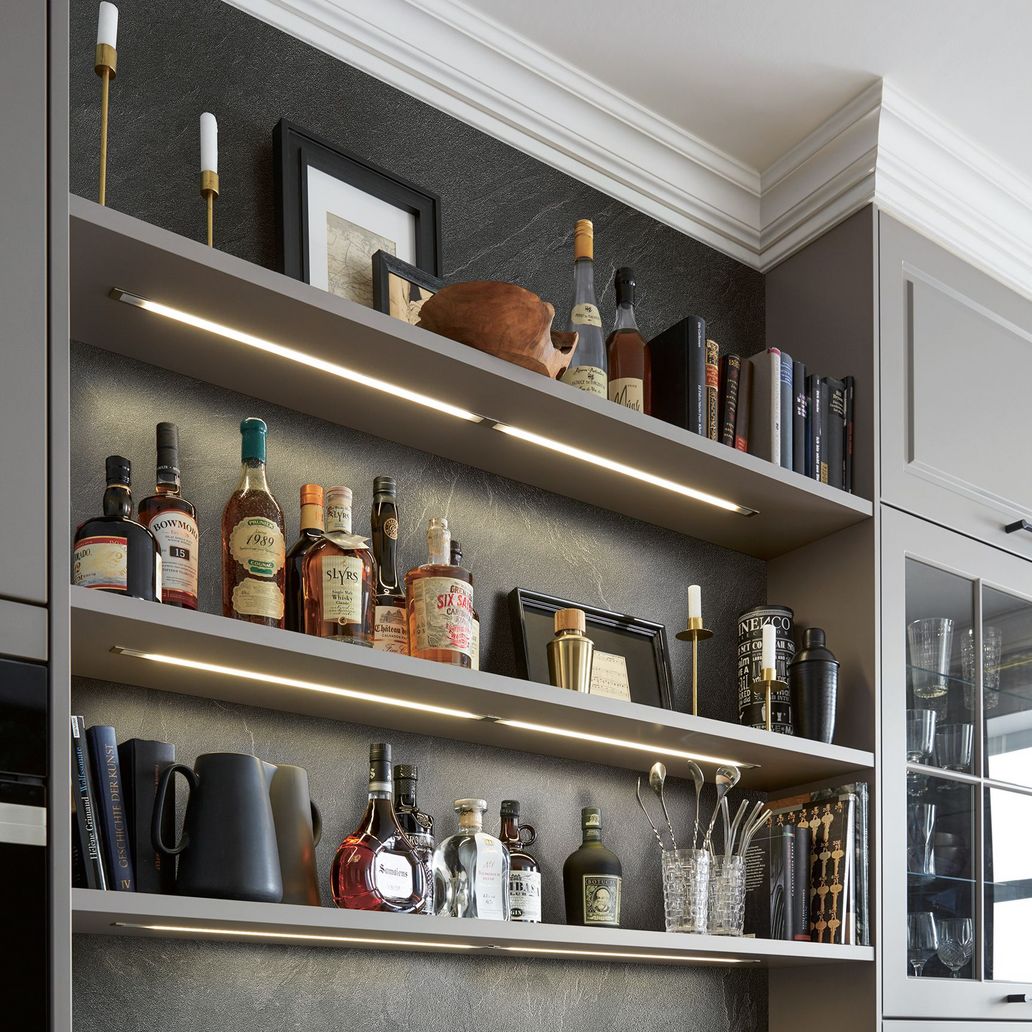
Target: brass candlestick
{"x":105,"y":65}
{"x":695,"y":633}
{"x":768,"y":682}
{"x":209,"y":191}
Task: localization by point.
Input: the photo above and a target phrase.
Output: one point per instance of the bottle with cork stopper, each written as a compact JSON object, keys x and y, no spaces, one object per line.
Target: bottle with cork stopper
{"x":570,"y":652}
{"x":588,"y":371}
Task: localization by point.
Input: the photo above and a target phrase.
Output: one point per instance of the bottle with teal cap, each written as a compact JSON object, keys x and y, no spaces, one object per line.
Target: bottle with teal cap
{"x":253,"y":538}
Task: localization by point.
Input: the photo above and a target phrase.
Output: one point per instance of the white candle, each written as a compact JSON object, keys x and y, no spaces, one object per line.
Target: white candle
{"x":767,"y":661}
{"x":107,"y":24}
{"x":694,"y":601}
{"x":209,"y":143}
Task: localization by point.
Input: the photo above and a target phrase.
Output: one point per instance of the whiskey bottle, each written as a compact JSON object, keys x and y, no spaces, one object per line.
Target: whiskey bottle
{"x":173,"y":522}
{"x":471,"y":869}
{"x":339,"y":575}
{"x":592,"y":877}
{"x":474,"y":638}
{"x":113,"y":552}
{"x":588,"y":371}
{"x":524,"y":871}
{"x":440,"y":603}
{"x":253,"y":539}
{"x":630,"y":364}
{"x":376,"y":867}
{"x":311,"y":532}
{"x":418,"y":826}
{"x":390,"y":621}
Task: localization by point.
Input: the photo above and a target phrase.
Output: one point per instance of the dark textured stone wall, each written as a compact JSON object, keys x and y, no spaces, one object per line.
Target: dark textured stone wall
{"x":504,"y":216}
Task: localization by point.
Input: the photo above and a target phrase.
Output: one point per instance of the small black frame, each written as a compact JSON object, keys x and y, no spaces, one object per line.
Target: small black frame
{"x":384,"y":265}
{"x":644,"y":643}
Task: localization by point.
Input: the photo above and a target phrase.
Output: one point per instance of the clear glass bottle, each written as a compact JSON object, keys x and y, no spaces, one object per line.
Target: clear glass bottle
{"x":592,"y":877}
{"x":630,"y":364}
{"x":312,"y":526}
{"x":471,"y":869}
{"x":440,"y":602}
{"x":589,"y":369}
{"x":376,"y":867}
{"x":173,"y":522}
{"x":474,"y":640}
{"x":390,"y":618}
{"x":418,"y":826}
{"x":524,"y":870}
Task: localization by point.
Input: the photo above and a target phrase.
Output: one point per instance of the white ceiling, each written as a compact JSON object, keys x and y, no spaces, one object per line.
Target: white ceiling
{"x":753,"y":78}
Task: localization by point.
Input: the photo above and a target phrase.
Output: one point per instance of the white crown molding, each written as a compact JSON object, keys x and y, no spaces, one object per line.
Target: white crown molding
{"x":881,"y":147}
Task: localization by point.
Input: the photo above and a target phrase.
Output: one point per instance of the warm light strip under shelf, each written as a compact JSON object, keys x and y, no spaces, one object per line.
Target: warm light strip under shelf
{"x":613,"y":955}
{"x":293,"y":355}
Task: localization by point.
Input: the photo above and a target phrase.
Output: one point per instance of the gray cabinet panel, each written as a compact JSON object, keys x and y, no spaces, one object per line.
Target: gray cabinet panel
{"x":956,"y":365}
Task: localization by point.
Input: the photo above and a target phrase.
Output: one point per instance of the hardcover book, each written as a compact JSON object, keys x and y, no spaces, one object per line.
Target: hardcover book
{"x":799,"y":406}
{"x":765,"y":417}
{"x":712,"y":389}
{"x":86,"y":831}
{"x":678,"y":357}
{"x":787,"y":420}
{"x":110,"y":806}
{"x":782,"y":881}
{"x":142,"y":763}
{"x":815,"y":418}
{"x":850,"y":384}
{"x":835,"y":431}
{"x":730,"y":374}
{"x":744,"y":413}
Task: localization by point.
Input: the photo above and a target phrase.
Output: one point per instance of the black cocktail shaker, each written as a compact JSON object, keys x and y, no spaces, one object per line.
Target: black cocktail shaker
{"x":813,"y":680}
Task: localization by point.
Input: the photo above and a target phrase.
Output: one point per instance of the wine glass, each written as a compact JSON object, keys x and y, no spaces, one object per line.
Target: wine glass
{"x":922,"y":940}
{"x":956,"y":942}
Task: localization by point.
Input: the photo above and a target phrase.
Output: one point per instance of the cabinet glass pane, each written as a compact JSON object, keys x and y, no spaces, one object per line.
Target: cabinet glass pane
{"x":941,"y":894}
{"x":1008,"y":885}
{"x":1007,"y":684}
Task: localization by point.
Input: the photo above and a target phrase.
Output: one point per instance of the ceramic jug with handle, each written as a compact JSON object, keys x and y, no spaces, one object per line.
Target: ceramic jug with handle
{"x":298,"y":830}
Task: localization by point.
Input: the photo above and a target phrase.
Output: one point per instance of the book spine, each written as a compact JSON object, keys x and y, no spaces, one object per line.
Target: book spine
{"x":787,"y":422}
{"x":697,"y":377}
{"x":143,"y":763}
{"x":788,"y":867}
{"x":847,"y":474}
{"x":731,"y":374}
{"x":712,"y":389}
{"x":742,"y":415}
{"x":799,"y":424}
{"x":86,"y":823}
{"x":819,"y":400}
{"x":110,"y":806}
{"x":774,"y":356}
{"x":801,"y":887}
{"x":835,"y":415}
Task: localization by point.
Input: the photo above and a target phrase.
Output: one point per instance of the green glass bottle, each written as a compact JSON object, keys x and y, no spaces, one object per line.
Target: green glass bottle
{"x":592,"y":878}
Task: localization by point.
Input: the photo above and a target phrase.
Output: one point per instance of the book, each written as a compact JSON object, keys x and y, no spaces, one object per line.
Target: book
{"x":142,"y":763}
{"x":800,"y":901}
{"x":835,"y":431}
{"x":765,"y":415}
{"x":799,"y":405}
{"x":110,"y":808}
{"x":782,"y":882}
{"x":712,"y":389}
{"x":678,"y":357}
{"x":730,"y":374}
{"x":744,"y":411}
{"x":850,"y":384}
{"x":787,"y":422}
{"x":815,"y":417}
{"x":86,"y":833}
{"x":860,"y":792}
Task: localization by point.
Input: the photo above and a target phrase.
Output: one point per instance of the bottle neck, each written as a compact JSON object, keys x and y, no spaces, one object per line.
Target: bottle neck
{"x":311,"y":517}
{"x":592,"y":835}
{"x":252,"y":476}
{"x":405,"y":795}
{"x":510,"y":832}
{"x":118,"y":501}
{"x":167,"y":488}
{"x":438,"y":542}
{"x":385,"y":545}
{"x":380,"y":786}
{"x":338,"y":517}
{"x":625,"y":318}
{"x":584,"y":281}
{"x":471,"y":823}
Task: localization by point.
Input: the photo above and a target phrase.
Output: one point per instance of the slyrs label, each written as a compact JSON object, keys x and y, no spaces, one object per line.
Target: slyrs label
{"x":342,"y":589}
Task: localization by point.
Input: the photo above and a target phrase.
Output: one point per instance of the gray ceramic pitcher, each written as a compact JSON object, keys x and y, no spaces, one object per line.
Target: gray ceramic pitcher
{"x":298,"y":830}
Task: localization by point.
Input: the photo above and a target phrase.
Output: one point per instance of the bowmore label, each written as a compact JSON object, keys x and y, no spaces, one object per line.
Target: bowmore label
{"x":342,"y":589}
{"x":100,"y":562}
{"x":491,"y":856}
{"x":443,"y":611}
{"x":256,"y":542}
{"x":178,"y":538}
{"x":587,"y":378}
{"x":392,"y":876}
{"x":585,"y":315}
{"x":390,"y":630}
{"x":525,"y":896}
{"x":601,"y":899}
{"x":253,"y":597}
{"x":629,"y":392}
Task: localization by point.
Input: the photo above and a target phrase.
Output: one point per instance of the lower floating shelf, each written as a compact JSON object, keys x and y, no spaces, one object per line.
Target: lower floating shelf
{"x":182,"y":917}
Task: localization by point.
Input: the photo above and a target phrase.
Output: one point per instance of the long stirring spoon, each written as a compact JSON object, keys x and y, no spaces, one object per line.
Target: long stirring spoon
{"x":747,"y":837}
{"x":726,"y":779}
{"x":657,"y":780}
{"x":648,"y":816}
{"x":700,"y":779}
{"x":729,"y":846}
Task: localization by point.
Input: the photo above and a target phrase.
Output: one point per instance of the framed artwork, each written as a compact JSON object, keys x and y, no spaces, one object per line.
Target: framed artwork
{"x":337,"y":210}
{"x":399,"y":289}
{"x":631,"y":658}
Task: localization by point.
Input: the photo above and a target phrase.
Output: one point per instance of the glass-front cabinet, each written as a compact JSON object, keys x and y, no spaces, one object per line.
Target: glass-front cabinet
{"x":956,"y":775}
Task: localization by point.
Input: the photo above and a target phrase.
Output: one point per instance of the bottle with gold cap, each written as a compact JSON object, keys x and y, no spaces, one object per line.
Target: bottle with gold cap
{"x":588,"y":371}
{"x":311,"y":532}
{"x":570,"y":652}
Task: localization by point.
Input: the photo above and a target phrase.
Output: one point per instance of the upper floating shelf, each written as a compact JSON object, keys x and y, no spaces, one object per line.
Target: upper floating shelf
{"x":110,"y":251}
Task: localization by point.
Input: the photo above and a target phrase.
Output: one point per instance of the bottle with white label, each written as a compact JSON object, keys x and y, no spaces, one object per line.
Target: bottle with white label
{"x":630,"y":364}
{"x":339,"y":575}
{"x":113,"y":552}
{"x":588,"y":372}
{"x":390,"y":619}
{"x":376,"y":867}
{"x":471,"y":869}
{"x":524,"y":870}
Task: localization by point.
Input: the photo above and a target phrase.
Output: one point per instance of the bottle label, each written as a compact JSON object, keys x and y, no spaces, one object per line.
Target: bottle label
{"x":443,"y":610}
{"x":342,"y":589}
{"x":601,"y":899}
{"x":474,"y":645}
{"x":525,"y":896}
{"x":338,"y":518}
{"x":491,"y":856}
{"x":178,"y":537}
{"x":100,"y":562}
{"x":587,"y":378}
{"x":258,"y":598}
{"x":256,"y":542}
{"x":392,"y":875}
{"x":629,"y":392}
{"x":390,"y":528}
{"x":585,"y":315}
{"x":390,"y":633}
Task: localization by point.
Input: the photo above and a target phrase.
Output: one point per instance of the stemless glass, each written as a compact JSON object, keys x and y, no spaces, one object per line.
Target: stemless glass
{"x":922,"y":940}
{"x":992,"y":649}
{"x":956,"y":942}
{"x":920,"y":734}
{"x":931,"y":643}
{"x":920,"y":841}
{"x":953,"y":744}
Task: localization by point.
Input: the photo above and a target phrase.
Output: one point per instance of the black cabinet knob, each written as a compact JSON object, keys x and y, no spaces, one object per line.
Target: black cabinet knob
{"x":1018,"y":525}
{"x":1019,"y":998}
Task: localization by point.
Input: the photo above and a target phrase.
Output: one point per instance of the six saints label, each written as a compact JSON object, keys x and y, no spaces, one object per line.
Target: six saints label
{"x":257,"y":544}
{"x":100,"y":562}
{"x":601,"y":899}
{"x":443,"y":610}
{"x":587,"y":378}
{"x":342,"y":589}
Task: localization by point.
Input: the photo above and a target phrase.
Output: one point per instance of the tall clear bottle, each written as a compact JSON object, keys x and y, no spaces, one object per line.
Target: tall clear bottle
{"x":630,"y":364}
{"x":390,"y":618}
{"x":418,"y":826}
{"x":589,"y":369}
{"x":471,"y":869}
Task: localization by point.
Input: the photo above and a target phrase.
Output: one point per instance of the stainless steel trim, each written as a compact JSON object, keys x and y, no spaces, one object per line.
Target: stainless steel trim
{"x":23,"y":825}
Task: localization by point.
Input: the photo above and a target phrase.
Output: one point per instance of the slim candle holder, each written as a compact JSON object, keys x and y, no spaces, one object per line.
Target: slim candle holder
{"x":768,"y":682}
{"x":209,"y":191}
{"x":695,"y":633}
{"x":105,"y":64}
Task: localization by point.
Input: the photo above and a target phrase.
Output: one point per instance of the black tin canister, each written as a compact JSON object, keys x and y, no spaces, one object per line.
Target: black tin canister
{"x":813,"y":680}
{"x":750,"y":653}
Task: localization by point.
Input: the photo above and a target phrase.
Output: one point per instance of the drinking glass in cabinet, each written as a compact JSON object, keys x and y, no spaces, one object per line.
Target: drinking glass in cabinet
{"x":956,"y":943}
{"x":931,"y":643}
{"x":922,"y":940}
{"x":992,"y":644}
{"x":920,"y":735}
{"x":953,"y":743}
{"x":1008,"y":885}
{"x":920,"y":828}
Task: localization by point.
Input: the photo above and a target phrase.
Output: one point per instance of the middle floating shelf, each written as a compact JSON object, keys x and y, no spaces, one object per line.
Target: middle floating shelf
{"x":215,"y":657}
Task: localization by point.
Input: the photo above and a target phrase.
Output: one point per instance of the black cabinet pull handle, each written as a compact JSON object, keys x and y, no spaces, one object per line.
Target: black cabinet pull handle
{"x":1018,"y":525}
{"x":1019,"y":998}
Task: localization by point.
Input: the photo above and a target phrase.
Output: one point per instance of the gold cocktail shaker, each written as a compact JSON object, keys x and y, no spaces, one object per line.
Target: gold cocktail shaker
{"x":570,"y":652}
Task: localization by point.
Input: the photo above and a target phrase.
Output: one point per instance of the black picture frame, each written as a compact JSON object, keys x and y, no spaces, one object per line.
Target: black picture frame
{"x":384,"y":267}
{"x":641,"y":642}
{"x":295,"y":150}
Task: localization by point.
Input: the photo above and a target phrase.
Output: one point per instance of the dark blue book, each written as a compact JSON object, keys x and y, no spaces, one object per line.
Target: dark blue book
{"x":111,"y":813}
{"x":90,"y":864}
{"x":787,"y":422}
{"x":799,"y":405}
